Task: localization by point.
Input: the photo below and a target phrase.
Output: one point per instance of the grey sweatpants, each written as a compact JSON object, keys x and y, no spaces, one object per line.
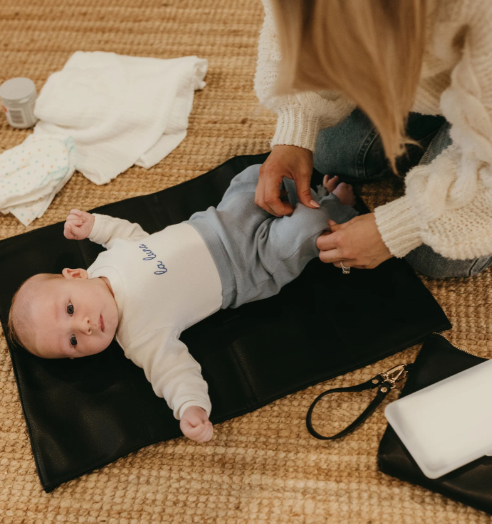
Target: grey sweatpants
{"x":256,"y":253}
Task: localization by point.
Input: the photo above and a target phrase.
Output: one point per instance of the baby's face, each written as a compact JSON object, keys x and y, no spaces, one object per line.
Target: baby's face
{"x":74,"y":316}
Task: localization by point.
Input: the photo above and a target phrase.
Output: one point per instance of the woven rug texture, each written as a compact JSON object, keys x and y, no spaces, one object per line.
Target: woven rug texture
{"x":262,"y":467}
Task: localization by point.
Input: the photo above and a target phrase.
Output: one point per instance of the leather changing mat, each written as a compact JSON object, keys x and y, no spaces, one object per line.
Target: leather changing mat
{"x":84,"y":413}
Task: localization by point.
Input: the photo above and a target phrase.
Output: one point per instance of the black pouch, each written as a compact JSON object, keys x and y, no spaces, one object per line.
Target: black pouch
{"x":470,"y":484}
{"x":84,"y":413}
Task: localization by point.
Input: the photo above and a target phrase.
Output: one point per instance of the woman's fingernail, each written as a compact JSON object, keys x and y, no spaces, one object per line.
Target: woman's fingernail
{"x":314,"y":204}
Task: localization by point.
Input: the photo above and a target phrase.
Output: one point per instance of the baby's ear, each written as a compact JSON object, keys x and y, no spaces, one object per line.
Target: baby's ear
{"x":70,"y":274}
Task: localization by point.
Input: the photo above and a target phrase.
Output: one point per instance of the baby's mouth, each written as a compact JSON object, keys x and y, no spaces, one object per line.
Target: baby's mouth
{"x":101,"y":321}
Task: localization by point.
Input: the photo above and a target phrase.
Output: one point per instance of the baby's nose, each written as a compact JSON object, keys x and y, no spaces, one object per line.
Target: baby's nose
{"x":85,"y":326}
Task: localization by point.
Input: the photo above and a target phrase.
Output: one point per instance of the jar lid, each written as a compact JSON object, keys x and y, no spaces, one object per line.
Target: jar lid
{"x":16,"y":89}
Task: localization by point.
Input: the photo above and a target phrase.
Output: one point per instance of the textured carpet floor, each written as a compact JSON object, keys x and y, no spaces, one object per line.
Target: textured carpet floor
{"x":262,"y":467}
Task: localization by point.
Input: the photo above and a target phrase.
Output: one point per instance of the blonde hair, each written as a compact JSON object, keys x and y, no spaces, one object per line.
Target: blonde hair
{"x":371,"y":50}
{"x":20,"y":314}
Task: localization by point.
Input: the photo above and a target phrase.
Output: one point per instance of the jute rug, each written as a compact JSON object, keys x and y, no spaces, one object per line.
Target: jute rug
{"x":262,"y":467}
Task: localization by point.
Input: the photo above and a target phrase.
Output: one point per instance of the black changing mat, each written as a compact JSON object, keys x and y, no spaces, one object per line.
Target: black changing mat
{"x":84,"y":413}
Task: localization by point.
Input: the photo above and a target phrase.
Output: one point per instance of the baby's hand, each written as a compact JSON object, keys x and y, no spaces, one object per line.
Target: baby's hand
{"x":195,"y":424}
{"x":78,"y":225}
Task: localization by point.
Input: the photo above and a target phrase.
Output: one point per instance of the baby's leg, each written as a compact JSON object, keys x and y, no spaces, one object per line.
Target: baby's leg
{"x":256,"y":253}
{"x":239,"y":199}
{"x":291,"y":240}
{"x":277,"y":249}
{"x":237,"y":206}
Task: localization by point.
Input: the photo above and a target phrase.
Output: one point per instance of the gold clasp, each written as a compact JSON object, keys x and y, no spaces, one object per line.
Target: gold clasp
{"x":395,"y":374}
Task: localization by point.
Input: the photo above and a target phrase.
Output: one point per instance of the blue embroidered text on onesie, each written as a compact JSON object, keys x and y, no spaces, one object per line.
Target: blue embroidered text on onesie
{"x":151,"y":256}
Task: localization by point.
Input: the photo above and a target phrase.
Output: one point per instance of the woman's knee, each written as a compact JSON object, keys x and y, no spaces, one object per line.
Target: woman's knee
{"x":344,"y":149}
{"x":353,"y":149}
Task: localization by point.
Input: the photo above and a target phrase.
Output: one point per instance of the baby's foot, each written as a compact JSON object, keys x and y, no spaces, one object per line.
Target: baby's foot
{"x":330,"y":183}
{"x":343,"y":191}
{"x":345,"y":194}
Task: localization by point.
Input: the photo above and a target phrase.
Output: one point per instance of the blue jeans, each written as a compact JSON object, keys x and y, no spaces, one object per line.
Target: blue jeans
{"x":353,"y":150}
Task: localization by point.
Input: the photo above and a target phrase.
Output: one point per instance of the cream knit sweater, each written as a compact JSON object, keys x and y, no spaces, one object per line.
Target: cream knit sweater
{"x":448,"y":203}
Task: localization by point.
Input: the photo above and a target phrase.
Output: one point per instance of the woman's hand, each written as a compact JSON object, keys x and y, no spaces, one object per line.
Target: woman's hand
{"x":290,"y":162}
{"x":357,"y":243}
{"x":78,"y":225}
{"x":195,"y":424}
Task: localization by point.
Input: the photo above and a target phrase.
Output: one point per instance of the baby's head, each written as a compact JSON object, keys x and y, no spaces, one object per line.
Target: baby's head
{"x":67,"y":315}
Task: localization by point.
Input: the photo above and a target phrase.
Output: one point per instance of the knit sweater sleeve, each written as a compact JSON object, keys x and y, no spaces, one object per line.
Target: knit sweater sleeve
{"x":448,"y":203}
{"x":300,"y":115}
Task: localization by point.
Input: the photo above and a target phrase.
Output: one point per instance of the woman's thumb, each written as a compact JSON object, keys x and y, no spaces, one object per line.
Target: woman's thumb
{"x":304,"y":193}
{"x":333,"y":225}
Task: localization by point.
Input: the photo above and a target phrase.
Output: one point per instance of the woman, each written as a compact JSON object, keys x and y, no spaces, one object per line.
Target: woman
{"x":402,"y":63}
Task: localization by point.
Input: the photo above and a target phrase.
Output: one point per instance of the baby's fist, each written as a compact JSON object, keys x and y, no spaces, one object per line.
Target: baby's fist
{"x":78,"y":225}
{"x":195,"y":424}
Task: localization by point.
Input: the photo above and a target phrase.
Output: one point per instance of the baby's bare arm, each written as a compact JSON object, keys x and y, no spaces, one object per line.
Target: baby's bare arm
{"x":78,"y":225}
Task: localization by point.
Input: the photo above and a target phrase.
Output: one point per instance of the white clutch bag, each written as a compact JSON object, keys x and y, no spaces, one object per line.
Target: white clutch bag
{"x":448,"y":424}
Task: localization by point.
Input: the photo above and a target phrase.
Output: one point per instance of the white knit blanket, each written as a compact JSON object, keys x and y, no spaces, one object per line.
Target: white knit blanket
{"x":120,"y":110}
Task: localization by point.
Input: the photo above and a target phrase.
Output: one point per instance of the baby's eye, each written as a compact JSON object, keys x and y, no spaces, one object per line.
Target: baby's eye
{"x":70,"y":308}
{"x":73,"y":340}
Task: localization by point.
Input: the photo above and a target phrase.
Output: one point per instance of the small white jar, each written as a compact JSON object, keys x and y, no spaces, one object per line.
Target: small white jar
{"x":18,"y":98}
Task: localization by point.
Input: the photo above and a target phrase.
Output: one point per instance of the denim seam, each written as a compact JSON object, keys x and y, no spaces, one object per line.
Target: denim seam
{"x":429,"y":154}
{"x":361,"y":156}
{"x":472,"y":267}
{"x":421,"y":139}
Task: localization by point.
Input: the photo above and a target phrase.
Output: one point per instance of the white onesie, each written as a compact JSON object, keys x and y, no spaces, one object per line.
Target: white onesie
{"x":162,"y":283}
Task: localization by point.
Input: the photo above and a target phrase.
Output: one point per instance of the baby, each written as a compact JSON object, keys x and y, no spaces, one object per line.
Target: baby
{"x":146,"y":289}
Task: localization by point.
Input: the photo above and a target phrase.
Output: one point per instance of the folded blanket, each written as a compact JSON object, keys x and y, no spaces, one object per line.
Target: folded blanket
{"x":32,"y":173}
{"x":120,"y":110}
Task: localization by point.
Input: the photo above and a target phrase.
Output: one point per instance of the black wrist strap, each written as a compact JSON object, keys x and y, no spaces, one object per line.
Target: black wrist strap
{"x":383,"y":381}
